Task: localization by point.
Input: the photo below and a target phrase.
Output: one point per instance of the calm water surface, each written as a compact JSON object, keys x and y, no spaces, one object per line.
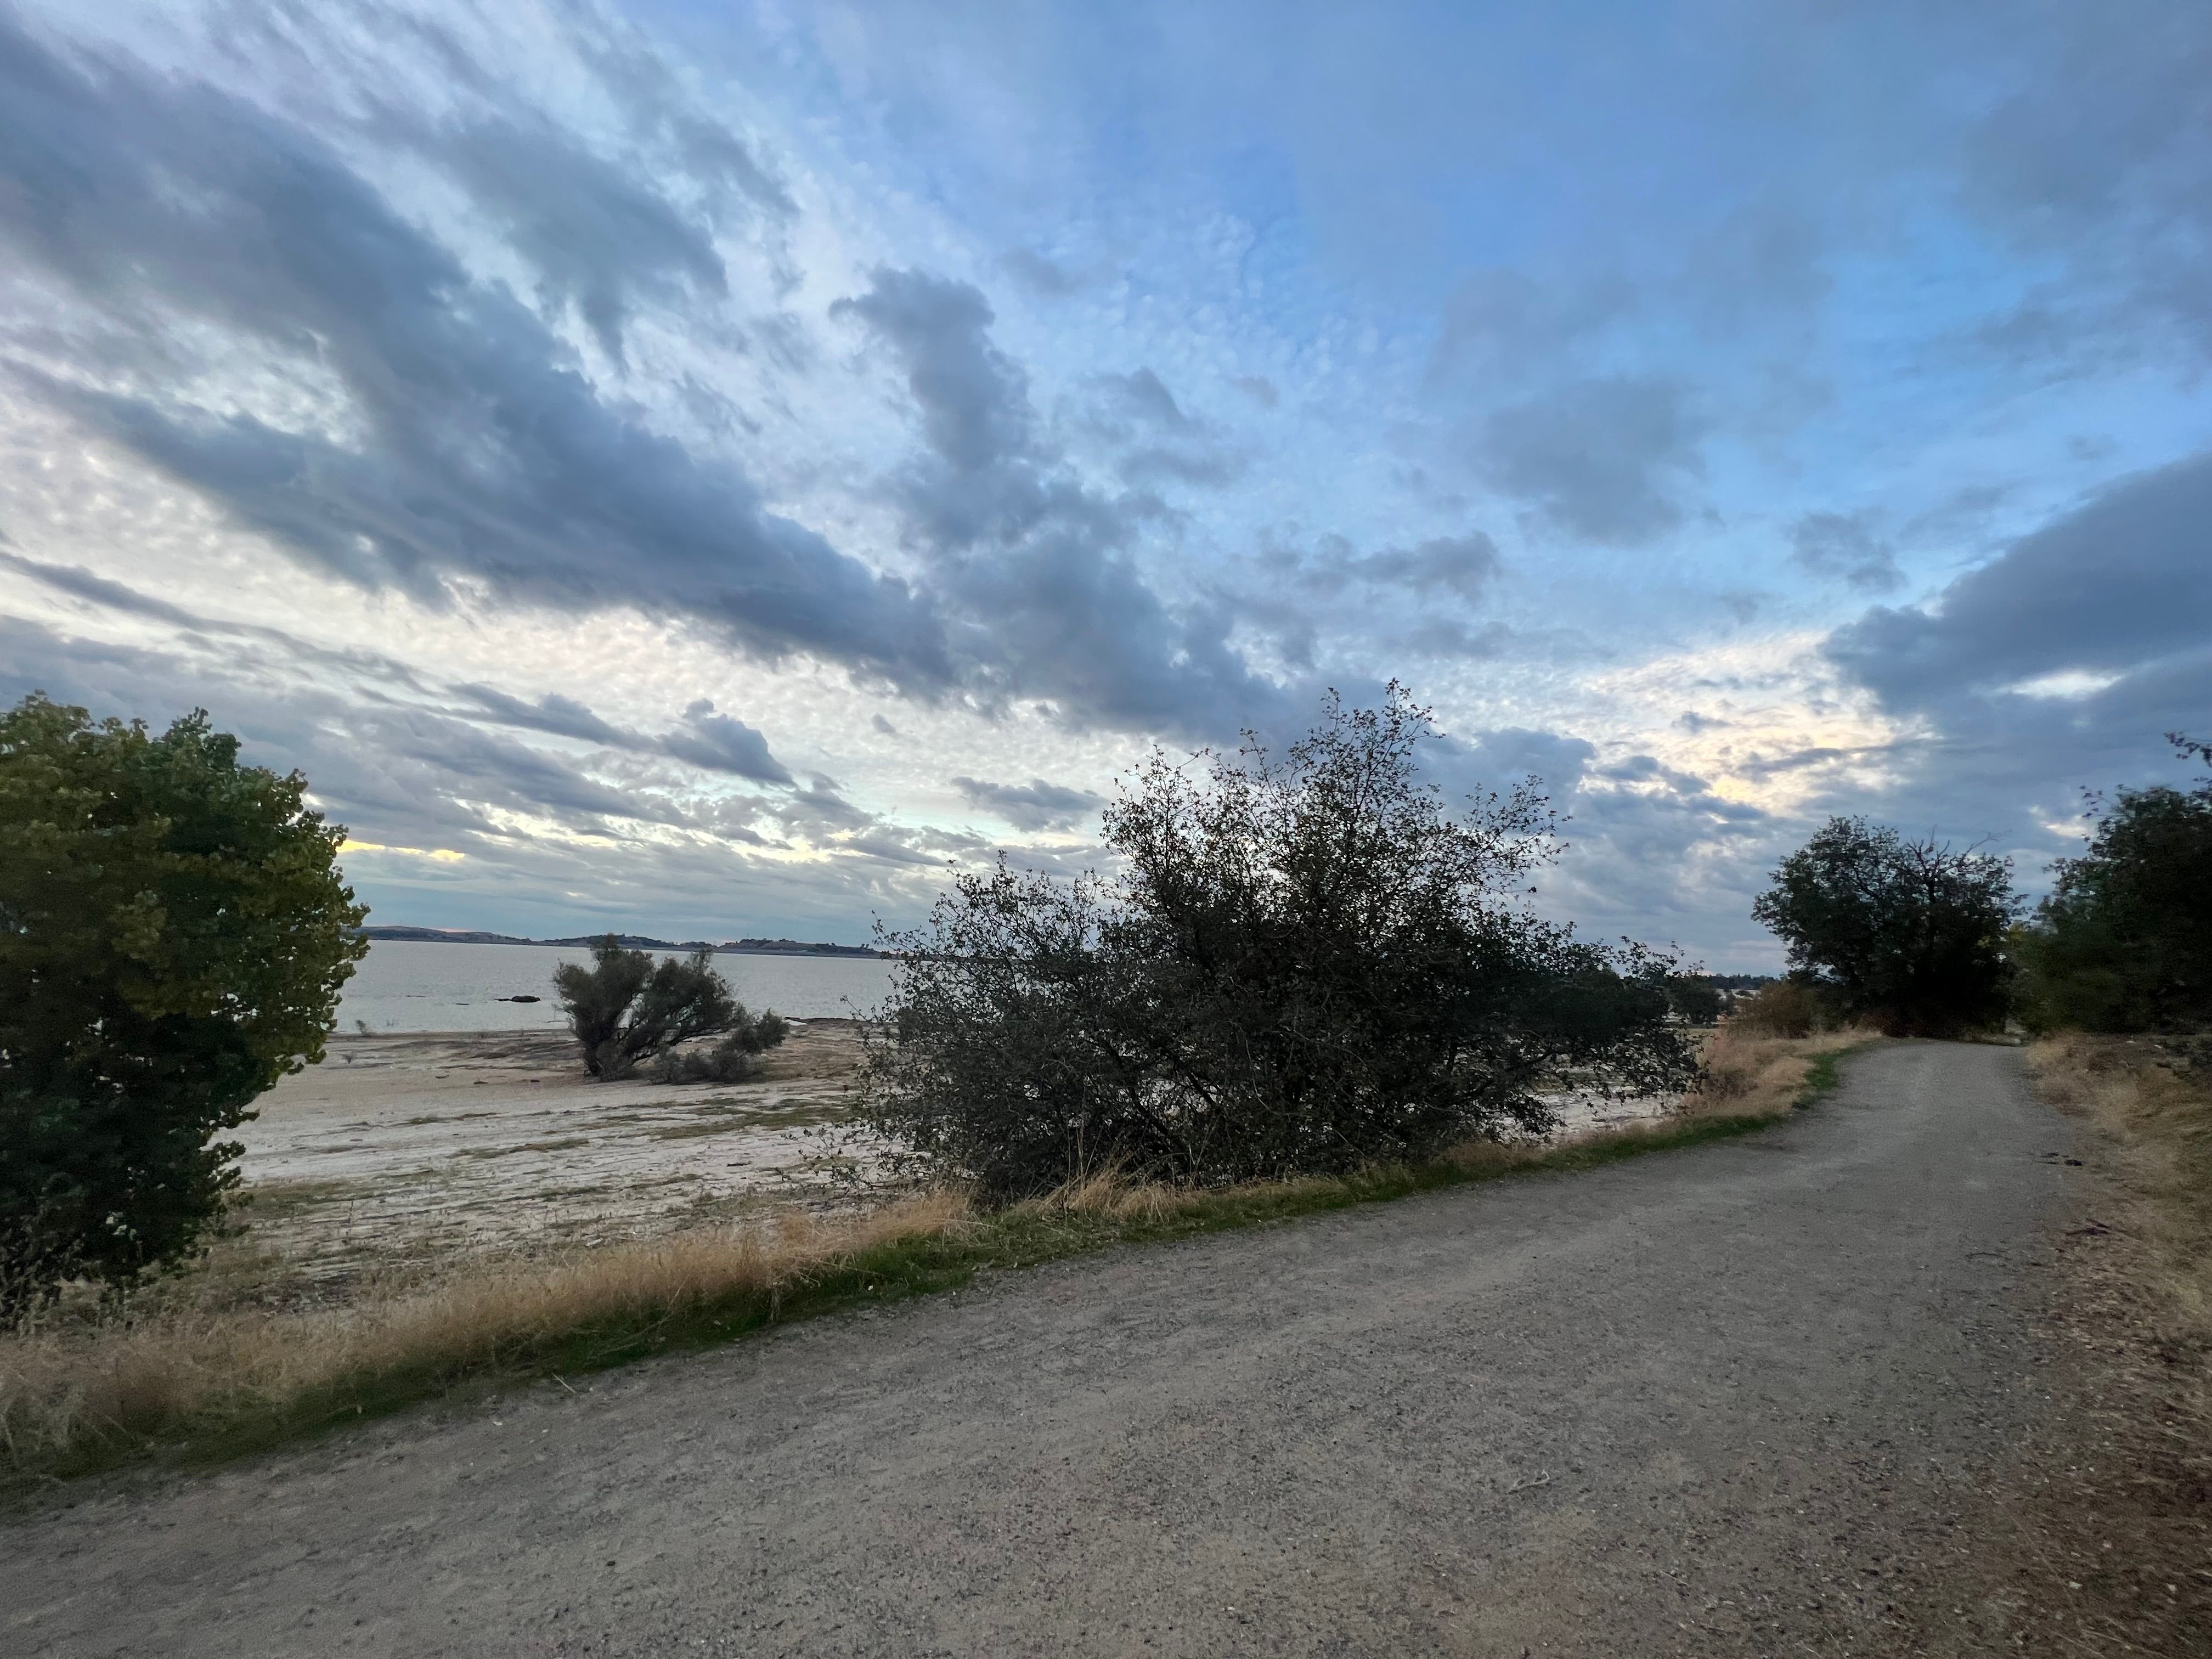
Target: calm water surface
{"x":405,"y":985}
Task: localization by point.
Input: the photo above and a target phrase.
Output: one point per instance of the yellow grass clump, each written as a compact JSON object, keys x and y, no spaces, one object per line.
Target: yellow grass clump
{"x":2152,"y":1107}
{"x":74,"y":1388}
{"x":2113,"y":1532}
{"x":1747,"y":1071}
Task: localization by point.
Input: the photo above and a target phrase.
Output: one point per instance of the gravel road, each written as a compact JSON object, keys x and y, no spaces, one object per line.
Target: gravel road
{"x":1737,"y":1400}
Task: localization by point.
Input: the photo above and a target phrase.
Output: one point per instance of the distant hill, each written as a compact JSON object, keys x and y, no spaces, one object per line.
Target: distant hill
{"x":792,"y":947}
{"x":442,"y":936}
{"x":781,"y":947}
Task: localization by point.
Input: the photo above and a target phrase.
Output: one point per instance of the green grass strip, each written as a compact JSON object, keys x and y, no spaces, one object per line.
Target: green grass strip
{"x":895,"y":1271}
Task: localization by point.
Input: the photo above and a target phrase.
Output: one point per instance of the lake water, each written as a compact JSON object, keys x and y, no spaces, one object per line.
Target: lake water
{"x":407,"y":984}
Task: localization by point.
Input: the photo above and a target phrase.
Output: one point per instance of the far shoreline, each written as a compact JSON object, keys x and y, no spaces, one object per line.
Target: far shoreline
{"x":744,"y":947}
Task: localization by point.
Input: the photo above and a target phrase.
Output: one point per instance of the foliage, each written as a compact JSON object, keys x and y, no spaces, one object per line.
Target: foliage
{"x":1305,"y":966}
{"x":1694,"y":999}
{"x":173,"y":933}
{"x":2124,"y":943}
{"x":626,"y":1009}
{"x":733,"y":1060}
{"x":1786,"y":1008}
{"x":1907,"y":935}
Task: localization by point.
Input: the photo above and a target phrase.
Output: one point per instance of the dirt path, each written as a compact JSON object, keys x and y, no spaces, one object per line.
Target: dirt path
{"x":1732,"y":1400}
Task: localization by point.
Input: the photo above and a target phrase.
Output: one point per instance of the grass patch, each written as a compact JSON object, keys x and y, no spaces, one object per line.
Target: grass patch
{"x":274,"y":1201}
{"x":725,"y":1121}
{"x":720,"y":1125}
{"x":191,"y":1387}
{"x":561,"y":1146}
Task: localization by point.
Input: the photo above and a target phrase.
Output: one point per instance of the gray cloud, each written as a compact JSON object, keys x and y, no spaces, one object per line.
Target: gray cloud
{"x":1015,"y":537}
{"x":1033,"y":805}
{"x":2121,"y":582}
{"x":2098,"y":160}
{"x":1143,"y":395}
{"x":1164,"y":444}
{"x":396,"y":773}
{"x":599,"y":237}
{"x":1451,"y":638}
{"x":1844,"y":545}
{"x":723,"y":744}
{"x":658,"y":108}
{"x":553,"y":712}
{"x":2055,"y":666}
{"x":1043,"y":277}
{"x":1465,"y":565}
{"x":972,"y":397}
{"x":100,"y":592}
{"x":483,"y":454}
{"x":411,"y":777}
{"x":1501,"y":325}
{"x":1602,"y":460}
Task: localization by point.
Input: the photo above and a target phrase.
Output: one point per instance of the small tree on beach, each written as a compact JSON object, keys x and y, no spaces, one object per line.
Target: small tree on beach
{"x":626,"y":1009}
{"x":173,"y":934}
{"x":1305,"y":964}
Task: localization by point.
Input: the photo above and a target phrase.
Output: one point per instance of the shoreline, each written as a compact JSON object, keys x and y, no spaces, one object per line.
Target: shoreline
{"x":747,"y":947}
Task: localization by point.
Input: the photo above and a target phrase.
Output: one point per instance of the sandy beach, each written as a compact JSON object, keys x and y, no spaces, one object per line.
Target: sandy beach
{"x":422,"y":1147}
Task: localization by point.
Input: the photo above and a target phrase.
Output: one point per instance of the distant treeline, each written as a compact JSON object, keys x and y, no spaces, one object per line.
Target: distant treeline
{"x":788,"y":947}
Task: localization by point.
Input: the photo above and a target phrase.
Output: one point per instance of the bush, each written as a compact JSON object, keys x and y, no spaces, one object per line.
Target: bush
{"x":173,"y":933}
{"x":1694,"y":999}
{"x":1305,"y":966}
{"x":735,"y":1059}
{"x":625,"y":1010}
{"x":2124,"y":943}
{"x":1786,"y":1008}
{"x":1907,"y":935}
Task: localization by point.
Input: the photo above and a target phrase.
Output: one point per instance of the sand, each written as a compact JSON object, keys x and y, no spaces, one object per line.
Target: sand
{"x":427,"y":1148}
{"x":434,"y":1147}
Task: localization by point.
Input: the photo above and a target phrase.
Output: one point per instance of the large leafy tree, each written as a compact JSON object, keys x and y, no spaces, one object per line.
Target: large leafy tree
{"x":1907,"y":935}
{"x":2124,"y":942}
{"x":173,"y":933}
{"x":1305,"y":963}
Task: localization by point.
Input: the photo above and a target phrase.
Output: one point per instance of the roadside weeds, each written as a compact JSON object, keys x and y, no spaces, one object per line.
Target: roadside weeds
{"x":2108,"y":1533}
{"x":175,"y":1384}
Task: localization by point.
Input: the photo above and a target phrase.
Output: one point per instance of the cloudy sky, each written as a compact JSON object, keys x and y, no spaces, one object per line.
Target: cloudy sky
{"x":713,"y":469}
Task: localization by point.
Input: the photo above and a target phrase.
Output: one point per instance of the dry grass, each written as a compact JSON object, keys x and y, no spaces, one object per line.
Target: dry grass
{"x":205,"y":1367}
{"x":76,"y":1391}
{"x":1748,"y":1072}
{"x":2150,"y":1102}
{"x":2106,"y":1528}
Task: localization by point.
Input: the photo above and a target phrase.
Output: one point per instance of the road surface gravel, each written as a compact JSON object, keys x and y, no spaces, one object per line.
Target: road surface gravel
{"x":1742,"y":1398}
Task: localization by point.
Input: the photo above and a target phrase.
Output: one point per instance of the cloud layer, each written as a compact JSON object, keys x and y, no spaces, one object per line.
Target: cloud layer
{"x":630,"y":481}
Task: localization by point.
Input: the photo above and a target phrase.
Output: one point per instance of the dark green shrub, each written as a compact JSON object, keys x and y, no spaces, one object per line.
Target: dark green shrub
{"x":735,"y":1059}
{"x":1907,"y":935}
{"x":2124,"y":943}
{"x":173,"y":933}
{"x":1786,"y":1008}
{"x":626,"y":1010}
{"x":1305,"y":965}
{"x":1694,"y":999}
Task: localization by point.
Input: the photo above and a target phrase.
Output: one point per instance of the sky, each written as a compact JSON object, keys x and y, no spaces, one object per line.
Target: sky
{"x":722,"y":469}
